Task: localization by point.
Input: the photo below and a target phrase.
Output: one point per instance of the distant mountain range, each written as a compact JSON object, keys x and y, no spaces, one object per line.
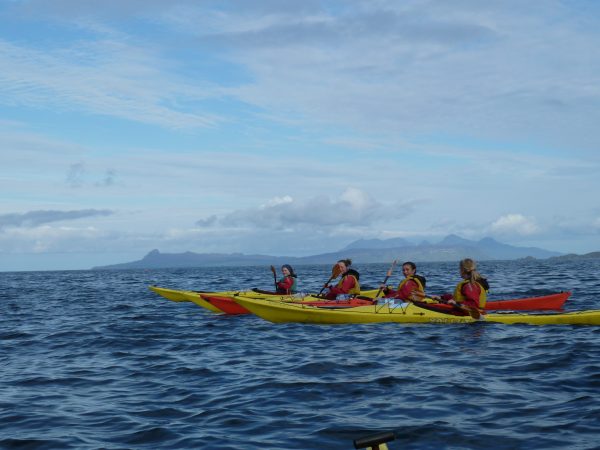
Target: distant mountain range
{"x":451,"y":248}
{"x":573,"y":256}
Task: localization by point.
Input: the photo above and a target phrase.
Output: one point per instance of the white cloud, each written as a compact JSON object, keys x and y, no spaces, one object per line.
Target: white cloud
{"x":119,"y":80}
{"x":428,"y":75}
{"x":278,"y":201}
{"x":397,"y":68}
{"x":46,"y":238}
{"x":515,"y":224}
{"x":32,"y":219}
{"x":354,"y":207}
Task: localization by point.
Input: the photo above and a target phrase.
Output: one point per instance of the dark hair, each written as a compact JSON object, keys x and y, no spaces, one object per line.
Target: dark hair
{"x":412,"y":265}
{"x":288,"y":267}
{"x":347,"y":262}
{"x":422,"y":279}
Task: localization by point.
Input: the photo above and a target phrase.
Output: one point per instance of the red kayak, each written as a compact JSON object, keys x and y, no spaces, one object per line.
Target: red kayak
{"x":555,"y":302}
{"x":225,"y":304}
{"x":546,"y":302}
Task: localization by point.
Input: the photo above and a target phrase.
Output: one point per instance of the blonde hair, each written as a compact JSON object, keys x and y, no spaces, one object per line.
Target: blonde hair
{"x":469,"y":268}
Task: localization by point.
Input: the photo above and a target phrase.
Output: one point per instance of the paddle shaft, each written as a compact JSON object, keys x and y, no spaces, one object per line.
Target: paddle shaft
{"x":388,"y":275}
{"x":274,"y":276}
{"x":473,"y":312}
{"x":325,"y":285}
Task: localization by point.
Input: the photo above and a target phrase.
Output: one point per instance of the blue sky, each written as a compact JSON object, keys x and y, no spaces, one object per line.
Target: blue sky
{"x":294,"y":128}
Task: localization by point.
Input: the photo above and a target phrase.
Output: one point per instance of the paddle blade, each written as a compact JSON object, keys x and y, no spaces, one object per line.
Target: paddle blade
{"x":336,"y":271}
{"x":474,"y":313}
{"x":274,"y":276}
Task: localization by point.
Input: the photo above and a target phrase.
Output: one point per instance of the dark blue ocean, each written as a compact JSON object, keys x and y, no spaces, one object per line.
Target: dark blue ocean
{"x":94,"y":359}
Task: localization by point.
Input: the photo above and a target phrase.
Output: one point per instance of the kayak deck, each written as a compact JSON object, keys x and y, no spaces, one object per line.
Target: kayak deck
{"x":175,"y":295}
{"x":185,"y":296}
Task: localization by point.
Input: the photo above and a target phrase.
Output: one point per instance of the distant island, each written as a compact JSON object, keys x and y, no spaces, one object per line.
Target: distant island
{"x":573,"y":256}
{"x":451,"y":248}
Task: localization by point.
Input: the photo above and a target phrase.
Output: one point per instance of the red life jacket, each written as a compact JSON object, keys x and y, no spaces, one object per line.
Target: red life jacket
{"x":418,"y":281}
{"x":355,"y":290}
{"x":459,"y":297}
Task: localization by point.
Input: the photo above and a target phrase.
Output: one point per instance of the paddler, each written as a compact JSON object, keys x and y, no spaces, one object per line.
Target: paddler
{"x":348,"y":284}
{"x":288,"y":284}
{"x":411,"y":288}
{"x":471,"y":293}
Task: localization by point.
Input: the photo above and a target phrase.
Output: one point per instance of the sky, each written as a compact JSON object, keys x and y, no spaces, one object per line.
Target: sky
{"x":294,"y":127}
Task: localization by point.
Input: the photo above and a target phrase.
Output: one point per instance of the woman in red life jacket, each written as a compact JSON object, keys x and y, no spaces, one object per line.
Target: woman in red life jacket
{"x":471,"y":293}
{"x":288,"y":284}
{"x":348,"y":284}
{"x":407,"y":287}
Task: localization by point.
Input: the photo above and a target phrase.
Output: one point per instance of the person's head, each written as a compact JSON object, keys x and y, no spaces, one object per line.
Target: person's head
{"x":408,"y":269}
{"x":287,"y":270}
{"x":468,"y":269}
{"x":344,"y":264}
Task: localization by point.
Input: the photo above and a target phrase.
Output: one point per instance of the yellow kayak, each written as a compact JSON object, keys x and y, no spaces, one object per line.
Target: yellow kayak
{"x":189,"y":296}
{"x":176,"y":295}
{"x":277,"y":311}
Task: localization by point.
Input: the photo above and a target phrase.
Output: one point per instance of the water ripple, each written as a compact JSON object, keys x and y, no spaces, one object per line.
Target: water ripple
{"x":96,"y":360}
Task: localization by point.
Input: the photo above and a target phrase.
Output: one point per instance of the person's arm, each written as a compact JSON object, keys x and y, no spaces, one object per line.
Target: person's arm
{"x":335,"y":290}
{"x":389,"y":293}
{"x":347,"y":284}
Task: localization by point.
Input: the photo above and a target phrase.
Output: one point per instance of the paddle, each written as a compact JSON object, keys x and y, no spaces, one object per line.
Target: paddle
{"x":274,"y":276}
{"x":389,"y":274}
{"x":473,"y":312}
{"x":336,"y":271}
{"x":375,"y":441}
{"x":422,"y":295}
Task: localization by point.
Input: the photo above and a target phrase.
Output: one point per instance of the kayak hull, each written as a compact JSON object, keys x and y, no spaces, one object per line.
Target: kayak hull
{"x":279,"y":312}
{"x":226,"y":305}
{"x":188,"y":296}
{"x":545,"y":302}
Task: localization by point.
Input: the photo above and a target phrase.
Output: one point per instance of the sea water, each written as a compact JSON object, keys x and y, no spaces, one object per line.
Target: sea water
{"x":93,"y":359}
